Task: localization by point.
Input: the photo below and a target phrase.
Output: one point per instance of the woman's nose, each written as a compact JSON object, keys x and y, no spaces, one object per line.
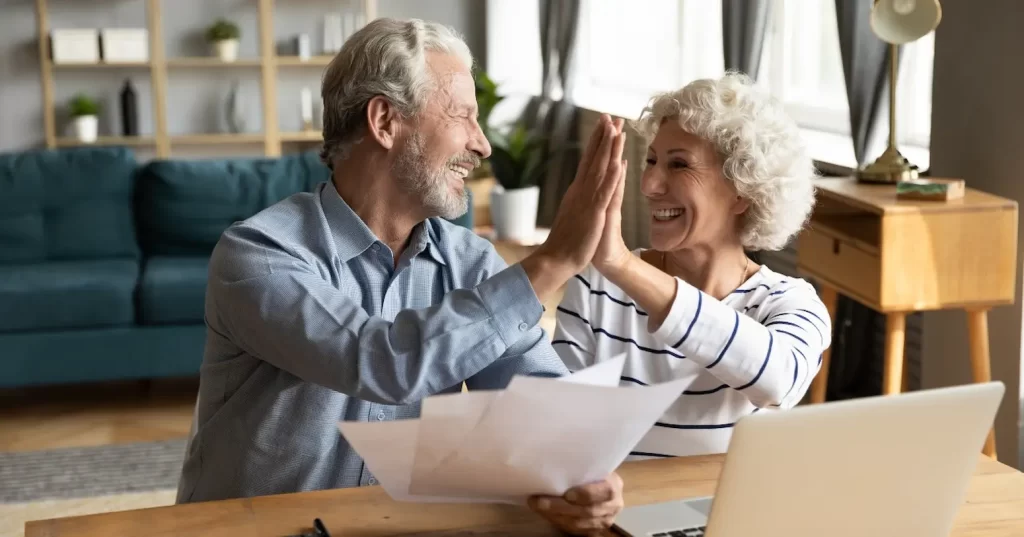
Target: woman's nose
{"x":652,"y":182}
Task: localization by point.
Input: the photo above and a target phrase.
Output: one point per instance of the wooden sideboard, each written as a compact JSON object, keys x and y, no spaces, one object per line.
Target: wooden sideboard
{"x":901,"y":256}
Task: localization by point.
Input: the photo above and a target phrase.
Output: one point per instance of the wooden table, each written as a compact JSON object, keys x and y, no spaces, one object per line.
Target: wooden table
{"x":994,"y":507}
{"x":901,"y":256}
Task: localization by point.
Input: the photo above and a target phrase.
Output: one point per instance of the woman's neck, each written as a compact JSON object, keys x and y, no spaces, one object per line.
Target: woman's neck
{"x":715,"y":272}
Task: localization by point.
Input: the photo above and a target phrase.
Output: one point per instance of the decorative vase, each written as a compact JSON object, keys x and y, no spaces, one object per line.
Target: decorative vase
{"x":85,"y":128}
{"x":226,"y":49}
{"x":514,"y":212}
{"x":129,"y":110}
{"x":235,"y":110}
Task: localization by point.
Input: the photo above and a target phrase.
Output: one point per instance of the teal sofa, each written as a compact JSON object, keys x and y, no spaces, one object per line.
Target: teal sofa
{"x":103,"y":261}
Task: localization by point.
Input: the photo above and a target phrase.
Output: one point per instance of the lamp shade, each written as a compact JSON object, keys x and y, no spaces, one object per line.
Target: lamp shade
{"x":903,"y":21}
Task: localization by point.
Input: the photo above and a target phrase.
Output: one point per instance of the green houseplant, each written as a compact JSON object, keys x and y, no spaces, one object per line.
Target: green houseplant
{"x":518,"y":160}
{"x":84,"y":112}
{"x":486,"y":98}
{"x":223,"y":35}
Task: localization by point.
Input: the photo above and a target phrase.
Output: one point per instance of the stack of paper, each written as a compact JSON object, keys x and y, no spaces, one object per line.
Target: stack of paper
{"x":537,"y":436}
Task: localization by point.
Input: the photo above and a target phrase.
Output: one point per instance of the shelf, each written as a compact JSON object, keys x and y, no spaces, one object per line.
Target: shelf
{"x":101,"y":65}
{"x":302,"y":136}
{"x":295,"y":61}
{"x":223,"y":138}
{"x":213,"y":61}
{"x":135,"y":141}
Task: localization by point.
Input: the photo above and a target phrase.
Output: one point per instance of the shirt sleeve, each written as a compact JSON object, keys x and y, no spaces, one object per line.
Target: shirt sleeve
{"x":573,"y":339}
{"x":530,"y":355}
{"x":773,"y":362}
{"x":278,"y":308}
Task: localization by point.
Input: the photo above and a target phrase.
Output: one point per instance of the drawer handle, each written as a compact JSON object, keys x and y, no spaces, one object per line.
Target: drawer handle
{"x":835,"y":246}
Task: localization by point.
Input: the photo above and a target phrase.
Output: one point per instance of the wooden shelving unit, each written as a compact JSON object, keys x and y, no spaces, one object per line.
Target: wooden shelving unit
{"x":295,"y":61}
{"x":135,"y":141}
{"x":163,"y":142}
{"x":213,"y":62}
{"x":302,"y":136}
{"x":217,"y":138}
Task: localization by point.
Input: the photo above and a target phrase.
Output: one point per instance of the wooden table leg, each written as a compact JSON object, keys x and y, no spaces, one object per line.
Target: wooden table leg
{"x":981,"y":368}
{"x":895,"y":337}
{"x":819,"y":385}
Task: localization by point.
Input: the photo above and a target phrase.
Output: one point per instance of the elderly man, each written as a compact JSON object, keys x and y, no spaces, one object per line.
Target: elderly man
{"x":356,"y":301}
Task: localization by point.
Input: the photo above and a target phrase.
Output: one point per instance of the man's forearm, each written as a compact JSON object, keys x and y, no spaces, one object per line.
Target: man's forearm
{"x":547,"y":274}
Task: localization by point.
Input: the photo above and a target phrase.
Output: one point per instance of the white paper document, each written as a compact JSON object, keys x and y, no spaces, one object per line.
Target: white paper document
{"x":537,"y":436}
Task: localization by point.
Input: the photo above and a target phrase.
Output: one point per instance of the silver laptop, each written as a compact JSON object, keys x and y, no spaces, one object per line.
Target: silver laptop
{"x":893,"y":465}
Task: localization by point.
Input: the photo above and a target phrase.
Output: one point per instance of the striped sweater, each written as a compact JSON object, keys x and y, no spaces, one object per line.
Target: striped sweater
{"x":759,"y":348}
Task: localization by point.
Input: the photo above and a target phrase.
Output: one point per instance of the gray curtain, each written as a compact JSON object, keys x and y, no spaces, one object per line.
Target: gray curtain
{"x":557,"y":120}
{"x":744,"y":28}
{"x":859,"y":332}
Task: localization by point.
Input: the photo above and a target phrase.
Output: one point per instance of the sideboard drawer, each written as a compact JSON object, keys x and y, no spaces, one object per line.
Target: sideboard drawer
{"x":841,"y":263}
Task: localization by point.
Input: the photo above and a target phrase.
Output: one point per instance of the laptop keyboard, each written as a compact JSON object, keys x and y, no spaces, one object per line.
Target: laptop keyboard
{"x":688,"y":532}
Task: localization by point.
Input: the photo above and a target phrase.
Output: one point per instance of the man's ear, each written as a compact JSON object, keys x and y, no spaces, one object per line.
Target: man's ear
{"x":382,"y":121}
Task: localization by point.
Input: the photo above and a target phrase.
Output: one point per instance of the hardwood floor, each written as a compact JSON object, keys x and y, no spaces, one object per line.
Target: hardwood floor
{"x":96,"y":414}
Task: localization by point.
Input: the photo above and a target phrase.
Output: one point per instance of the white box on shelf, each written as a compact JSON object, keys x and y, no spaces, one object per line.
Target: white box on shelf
{"x":77,"y":45}
{"x":124,"y":45}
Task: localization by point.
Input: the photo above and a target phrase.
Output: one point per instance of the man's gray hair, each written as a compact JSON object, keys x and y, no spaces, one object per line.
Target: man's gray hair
{"x":387,"y":57}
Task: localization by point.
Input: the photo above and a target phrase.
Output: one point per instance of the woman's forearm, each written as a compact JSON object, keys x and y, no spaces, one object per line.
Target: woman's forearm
{"x":652,"y":290}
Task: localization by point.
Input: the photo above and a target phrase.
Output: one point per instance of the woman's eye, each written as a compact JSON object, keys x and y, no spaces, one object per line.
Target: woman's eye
{"x":678,"y":164}
{"x":651,"y":162}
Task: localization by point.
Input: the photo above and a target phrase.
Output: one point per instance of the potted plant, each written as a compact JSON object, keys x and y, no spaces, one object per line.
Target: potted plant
{"x":518,"y":161}
{"x":84,"y":112}
{"x":223,"y":35}
{"x":486,"y":98}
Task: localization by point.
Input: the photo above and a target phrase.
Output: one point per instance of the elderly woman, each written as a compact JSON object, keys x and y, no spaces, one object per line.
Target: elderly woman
{"x":726,"y":172}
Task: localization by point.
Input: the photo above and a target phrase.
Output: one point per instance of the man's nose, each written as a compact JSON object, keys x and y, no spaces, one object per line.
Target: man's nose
{"x":478,"y":143}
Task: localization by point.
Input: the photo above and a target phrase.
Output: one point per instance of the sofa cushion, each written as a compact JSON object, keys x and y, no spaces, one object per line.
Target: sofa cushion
{"x":67,"y":294}
{"x":173,"y":290}
{"x":66,"y":204}
{"x":184,"y":206}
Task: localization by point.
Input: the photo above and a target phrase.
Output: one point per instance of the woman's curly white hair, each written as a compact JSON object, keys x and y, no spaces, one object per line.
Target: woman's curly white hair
{"x":760,"y":146}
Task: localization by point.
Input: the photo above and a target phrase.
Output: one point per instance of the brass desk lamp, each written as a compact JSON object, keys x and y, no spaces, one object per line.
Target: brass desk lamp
{"x":898,"y":22}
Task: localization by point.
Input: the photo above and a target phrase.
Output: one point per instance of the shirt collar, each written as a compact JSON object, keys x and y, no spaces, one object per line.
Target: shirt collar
{"x":352,"y":237}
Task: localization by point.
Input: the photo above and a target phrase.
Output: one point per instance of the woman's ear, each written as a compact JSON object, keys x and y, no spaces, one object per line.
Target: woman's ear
{"x":740,"y":205}
{"x":382,"y":121}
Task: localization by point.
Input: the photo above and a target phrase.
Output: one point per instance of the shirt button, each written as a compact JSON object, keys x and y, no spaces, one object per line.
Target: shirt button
{"x":523,"y":327}
{"x":372,"y":481}
{"x":381,"y":416}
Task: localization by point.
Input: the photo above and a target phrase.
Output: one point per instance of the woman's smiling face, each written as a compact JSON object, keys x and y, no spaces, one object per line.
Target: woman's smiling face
{"x":692,"y":203}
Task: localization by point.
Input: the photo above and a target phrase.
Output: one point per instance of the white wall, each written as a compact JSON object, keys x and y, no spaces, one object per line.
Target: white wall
{"x":195,"y":96}
{"x":977,"y":134}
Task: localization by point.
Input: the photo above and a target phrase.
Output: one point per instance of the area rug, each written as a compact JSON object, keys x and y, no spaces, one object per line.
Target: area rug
{"x":90,"y":471}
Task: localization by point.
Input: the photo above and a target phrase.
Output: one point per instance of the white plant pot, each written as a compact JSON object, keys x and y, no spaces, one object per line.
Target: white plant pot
{"x":226,"y":50}
{"x":514,"y":212}
{"x":86,"y":128}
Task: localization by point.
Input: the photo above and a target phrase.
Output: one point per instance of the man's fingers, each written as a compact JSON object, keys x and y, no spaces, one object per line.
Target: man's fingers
{"x":552,"y":506}
{"x":600,"y":130}
{"x":613,"y":170}
{"x":599,"y":160}
{"x":620,"y":189}
{"x":592,"y":493}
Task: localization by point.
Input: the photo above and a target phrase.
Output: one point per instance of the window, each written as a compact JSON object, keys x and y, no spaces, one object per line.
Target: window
{"x":626,"y":54}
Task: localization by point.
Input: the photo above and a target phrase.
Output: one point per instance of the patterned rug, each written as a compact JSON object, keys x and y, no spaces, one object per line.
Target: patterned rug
{"x":91,"y":471}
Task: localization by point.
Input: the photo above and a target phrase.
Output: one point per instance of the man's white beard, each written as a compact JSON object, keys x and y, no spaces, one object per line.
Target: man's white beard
{"x":411,"y":168}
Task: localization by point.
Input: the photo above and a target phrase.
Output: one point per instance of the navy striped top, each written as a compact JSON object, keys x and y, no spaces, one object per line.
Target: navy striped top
{"x":759,"y":348}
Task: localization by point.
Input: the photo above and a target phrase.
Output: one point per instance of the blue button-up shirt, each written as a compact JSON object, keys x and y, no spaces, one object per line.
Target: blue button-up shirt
{"x":310,"y":323}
